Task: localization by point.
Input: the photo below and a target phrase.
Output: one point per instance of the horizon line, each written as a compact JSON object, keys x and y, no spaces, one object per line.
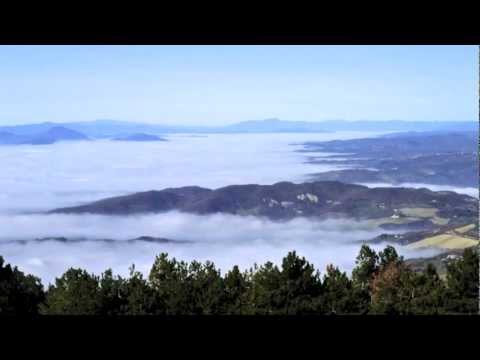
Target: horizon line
{"x":233,"y":123}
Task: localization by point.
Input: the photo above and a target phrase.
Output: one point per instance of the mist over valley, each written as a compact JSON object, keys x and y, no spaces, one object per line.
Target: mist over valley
{"x":37,"y":179}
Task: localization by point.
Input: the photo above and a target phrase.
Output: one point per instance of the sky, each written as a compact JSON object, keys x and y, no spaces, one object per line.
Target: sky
{"x":215,"y":85}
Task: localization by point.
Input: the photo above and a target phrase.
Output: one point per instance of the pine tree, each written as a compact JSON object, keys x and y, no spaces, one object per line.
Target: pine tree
{"x":205,"y":289}
{"x":168,"y":279}
{"x":20,"y":294}
{"x":265,"y":295}
{"x":299,"y":285}
{"x":112,"y":296}
{"x":76,"y":292}
{"x":140,"y":298}
{"x":391,"y":286}
{"x":236,"y":292}
{"x":428,"y":292}
{"x":462,"y":283}
{"x":337,"y":297}
{"x":366,"y":267}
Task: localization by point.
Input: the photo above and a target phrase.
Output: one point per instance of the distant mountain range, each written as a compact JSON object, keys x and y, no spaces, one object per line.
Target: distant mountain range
{"x":139,"y":137}
{"x":275,"y":125}
{"x":114,"y":128}
{"x":42,"y":137}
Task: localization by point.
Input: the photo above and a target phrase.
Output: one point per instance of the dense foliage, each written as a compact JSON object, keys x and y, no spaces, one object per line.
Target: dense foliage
{"x":20,"y":294}
{"x":380,"y":284}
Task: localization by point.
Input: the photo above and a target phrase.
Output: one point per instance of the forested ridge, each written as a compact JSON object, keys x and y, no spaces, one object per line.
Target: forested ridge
{"x":380,"y":283}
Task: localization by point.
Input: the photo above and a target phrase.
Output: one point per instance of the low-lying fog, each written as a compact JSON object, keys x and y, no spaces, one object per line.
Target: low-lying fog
{"x":42,"y":177}
{"x":225,"y":239}
{"x":470,"y":191}
{"x":37,"y":178}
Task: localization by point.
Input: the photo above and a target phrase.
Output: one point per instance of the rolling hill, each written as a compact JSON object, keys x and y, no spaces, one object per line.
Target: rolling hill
{"x":286,"y":200}
{"x":48,"y":136}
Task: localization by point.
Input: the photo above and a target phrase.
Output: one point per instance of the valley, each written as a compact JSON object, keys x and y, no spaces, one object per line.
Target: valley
{"x":90,"y":204}
{"x":428,"y":158}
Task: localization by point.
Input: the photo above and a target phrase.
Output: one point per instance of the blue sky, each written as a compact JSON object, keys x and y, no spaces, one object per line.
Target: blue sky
{"x":214,"y":85}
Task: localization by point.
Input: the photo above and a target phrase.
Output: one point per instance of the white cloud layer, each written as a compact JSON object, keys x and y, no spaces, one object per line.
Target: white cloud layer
{"x":63,"y":174}
{"x":470,"y":191}
{"x":38,"y":178}
{"x":225,"y":239}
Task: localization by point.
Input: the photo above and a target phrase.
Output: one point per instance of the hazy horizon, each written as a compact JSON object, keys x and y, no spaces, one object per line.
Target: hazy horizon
{"x":220,"y":85}
{"x":215,"y":86}
{"x":227,"y":123}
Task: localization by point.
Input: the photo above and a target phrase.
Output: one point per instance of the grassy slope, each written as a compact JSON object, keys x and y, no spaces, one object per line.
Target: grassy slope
{"x":454,"y":239}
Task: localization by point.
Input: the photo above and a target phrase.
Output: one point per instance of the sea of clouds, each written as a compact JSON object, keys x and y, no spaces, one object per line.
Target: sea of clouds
{"x":39,"y":178}
{"x":226,"y":240}
{"x":35,"y":178}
